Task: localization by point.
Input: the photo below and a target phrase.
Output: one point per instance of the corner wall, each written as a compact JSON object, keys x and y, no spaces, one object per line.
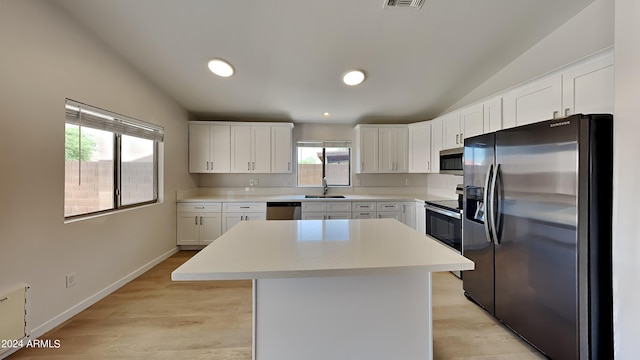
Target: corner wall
{"x":47,"y":57}
{"x":626,"y":227}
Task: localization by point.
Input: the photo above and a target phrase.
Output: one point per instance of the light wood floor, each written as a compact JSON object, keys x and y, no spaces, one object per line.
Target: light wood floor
{"x":155,"y":318}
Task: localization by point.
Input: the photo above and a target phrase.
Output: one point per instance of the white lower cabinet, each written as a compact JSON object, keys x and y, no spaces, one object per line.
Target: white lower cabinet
{"x":405,"y":212}
{"x":233,"y":213}
{"x":198,"y":223}
{"x":326,"y":210}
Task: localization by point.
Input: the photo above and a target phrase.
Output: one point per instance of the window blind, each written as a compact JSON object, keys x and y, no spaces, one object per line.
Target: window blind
{"x":86,"y":115}
{"x":324,"y":143}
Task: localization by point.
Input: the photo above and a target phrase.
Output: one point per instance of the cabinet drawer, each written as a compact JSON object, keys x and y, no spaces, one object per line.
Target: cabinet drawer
{"x":199,"y":207}
{"x":389,"y":206}
{"x":364,"y":206}
{"x":338,"y":206}
{"x":315,"y":206}
{"x":364,"y":215}
{"x":244,"y":207}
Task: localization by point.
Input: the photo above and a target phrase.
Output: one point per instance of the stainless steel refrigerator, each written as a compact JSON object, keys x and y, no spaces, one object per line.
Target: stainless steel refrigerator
{"x":537,"y":224}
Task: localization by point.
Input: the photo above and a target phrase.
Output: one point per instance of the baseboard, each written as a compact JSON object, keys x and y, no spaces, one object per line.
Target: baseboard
{"x":71,"y":312}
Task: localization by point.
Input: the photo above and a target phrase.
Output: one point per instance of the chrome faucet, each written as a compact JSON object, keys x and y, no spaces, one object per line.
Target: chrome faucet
{"x":325,"y":187}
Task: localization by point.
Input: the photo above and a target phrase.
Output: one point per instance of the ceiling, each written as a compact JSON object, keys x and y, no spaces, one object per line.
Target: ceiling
{"x":290,"y":55}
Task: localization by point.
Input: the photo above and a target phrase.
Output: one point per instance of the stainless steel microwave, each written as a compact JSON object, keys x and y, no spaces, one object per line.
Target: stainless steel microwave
{"x":451,"y":161}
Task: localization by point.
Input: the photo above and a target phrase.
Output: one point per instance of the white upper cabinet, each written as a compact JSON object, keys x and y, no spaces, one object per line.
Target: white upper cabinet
{"x":239,"y":147}
{"x":392,"y":145}
{"x":584,"y":87}
{"x":436,"y":144}
{"x":382,"y":148}
{"x":281,"y":149}
{"x":472,"y":121}
{"x":250,"y":148}
{"x":588,"y":88}
{"x":452,"y":136}
{"x":493,"y":115}
{"x":209,"y":148}
{"x":420,"y":147}
{"x":537,"y":101}
{"x":366,"y":149}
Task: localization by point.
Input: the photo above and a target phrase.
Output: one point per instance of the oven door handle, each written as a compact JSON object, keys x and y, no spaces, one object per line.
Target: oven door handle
{"x":487,"y":205}
{"x":455,"y":215}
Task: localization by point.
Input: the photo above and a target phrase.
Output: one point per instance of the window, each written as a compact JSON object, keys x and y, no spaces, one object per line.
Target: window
{"x":318,"y":159}
{"x":111,"y":161}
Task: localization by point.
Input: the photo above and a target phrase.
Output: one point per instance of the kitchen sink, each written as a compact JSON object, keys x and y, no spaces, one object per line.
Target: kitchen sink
{"x":324,"y":196}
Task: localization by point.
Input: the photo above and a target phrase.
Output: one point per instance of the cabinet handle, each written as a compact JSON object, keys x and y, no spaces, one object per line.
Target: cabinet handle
{"x":457,"y":136}
{"x":201,"y":223}
{"x":253,"y":167}
{"x":207,"y":165}
{"x":461,"y":138}
{"x":248,"y":165}
{"x":364,"y":214}
{"x":289,"y":165}
{"x":566,"y":112}
{"x":196,"y":220}
{"x":555,"y":114}
{"x":244,"y":207}
{"x":428,"y":165}
{"x":388,"y":206}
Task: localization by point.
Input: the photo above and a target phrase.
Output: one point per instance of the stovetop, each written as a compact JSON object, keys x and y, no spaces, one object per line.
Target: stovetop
{"x":446,"y":204}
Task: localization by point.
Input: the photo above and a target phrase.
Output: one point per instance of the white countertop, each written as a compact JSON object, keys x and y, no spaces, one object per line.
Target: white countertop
{"x":285,"y":198}
{"x":316,"y":248}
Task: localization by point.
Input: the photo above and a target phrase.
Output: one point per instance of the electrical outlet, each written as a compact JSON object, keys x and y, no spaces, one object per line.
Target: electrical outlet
{"x":407,"y":182}
{"x":250,"y":182}
{"x":256,"y":182}
{"x":71,"y":279}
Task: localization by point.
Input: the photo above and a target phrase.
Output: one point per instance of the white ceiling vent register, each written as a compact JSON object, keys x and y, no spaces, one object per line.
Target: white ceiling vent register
{"x":402,"y":4}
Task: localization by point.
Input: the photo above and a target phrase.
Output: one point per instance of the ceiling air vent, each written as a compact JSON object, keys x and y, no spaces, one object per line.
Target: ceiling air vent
{"x":402,"y":4}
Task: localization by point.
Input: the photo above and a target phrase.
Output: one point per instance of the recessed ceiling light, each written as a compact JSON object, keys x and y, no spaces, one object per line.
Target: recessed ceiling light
{"x":353,"y":77}
{"x":221,"y":67}
{"x":326,"y":114}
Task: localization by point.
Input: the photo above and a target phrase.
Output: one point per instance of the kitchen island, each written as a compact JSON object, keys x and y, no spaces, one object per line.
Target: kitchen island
{"x":331,"y":289}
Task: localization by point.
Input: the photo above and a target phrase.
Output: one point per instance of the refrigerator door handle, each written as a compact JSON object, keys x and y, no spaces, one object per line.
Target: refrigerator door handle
{"x":494,"y":224}
{"x":487,"y":207}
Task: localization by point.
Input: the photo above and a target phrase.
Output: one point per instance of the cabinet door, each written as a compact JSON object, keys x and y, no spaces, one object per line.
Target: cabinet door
{"x":402,"y":150}
{"x":230,"y":219}
{"x":472,"y":120}
{"x":188,"y":228}
{"x":420,"y":148}
{"x":493,"y":115}
{"x":210,"y":227}
{"x":313,"y":216}
{"x":390,"y":215}
{"x":338,"y":215}
{"x":281,"y":149}
{"x":451,"y":131}
{"x":368,"y":150}
{"x":538,"y":101}
{"x":386,"y":150}
{"x":240,"y":149}
{"x":261,"y":149}
{"x":588,"y":88}
{"x":409,"y":214}
{"x":199,"y":151}
{"x":220,"y":136}
{"x":436,"y":144}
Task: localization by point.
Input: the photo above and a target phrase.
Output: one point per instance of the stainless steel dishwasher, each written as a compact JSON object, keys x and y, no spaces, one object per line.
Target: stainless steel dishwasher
{"x":284,"y":210}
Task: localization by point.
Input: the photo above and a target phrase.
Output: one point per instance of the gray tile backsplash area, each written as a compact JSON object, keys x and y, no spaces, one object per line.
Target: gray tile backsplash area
{"x":289,"y":180}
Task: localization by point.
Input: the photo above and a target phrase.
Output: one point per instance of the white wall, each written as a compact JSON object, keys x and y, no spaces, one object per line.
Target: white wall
{"x":45,"y":59}
{"x":588,"y":32}
{"x":626,"y":227}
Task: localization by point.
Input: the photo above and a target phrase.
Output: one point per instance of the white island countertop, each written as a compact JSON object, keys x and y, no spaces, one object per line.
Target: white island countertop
{"x":319,"y":248}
